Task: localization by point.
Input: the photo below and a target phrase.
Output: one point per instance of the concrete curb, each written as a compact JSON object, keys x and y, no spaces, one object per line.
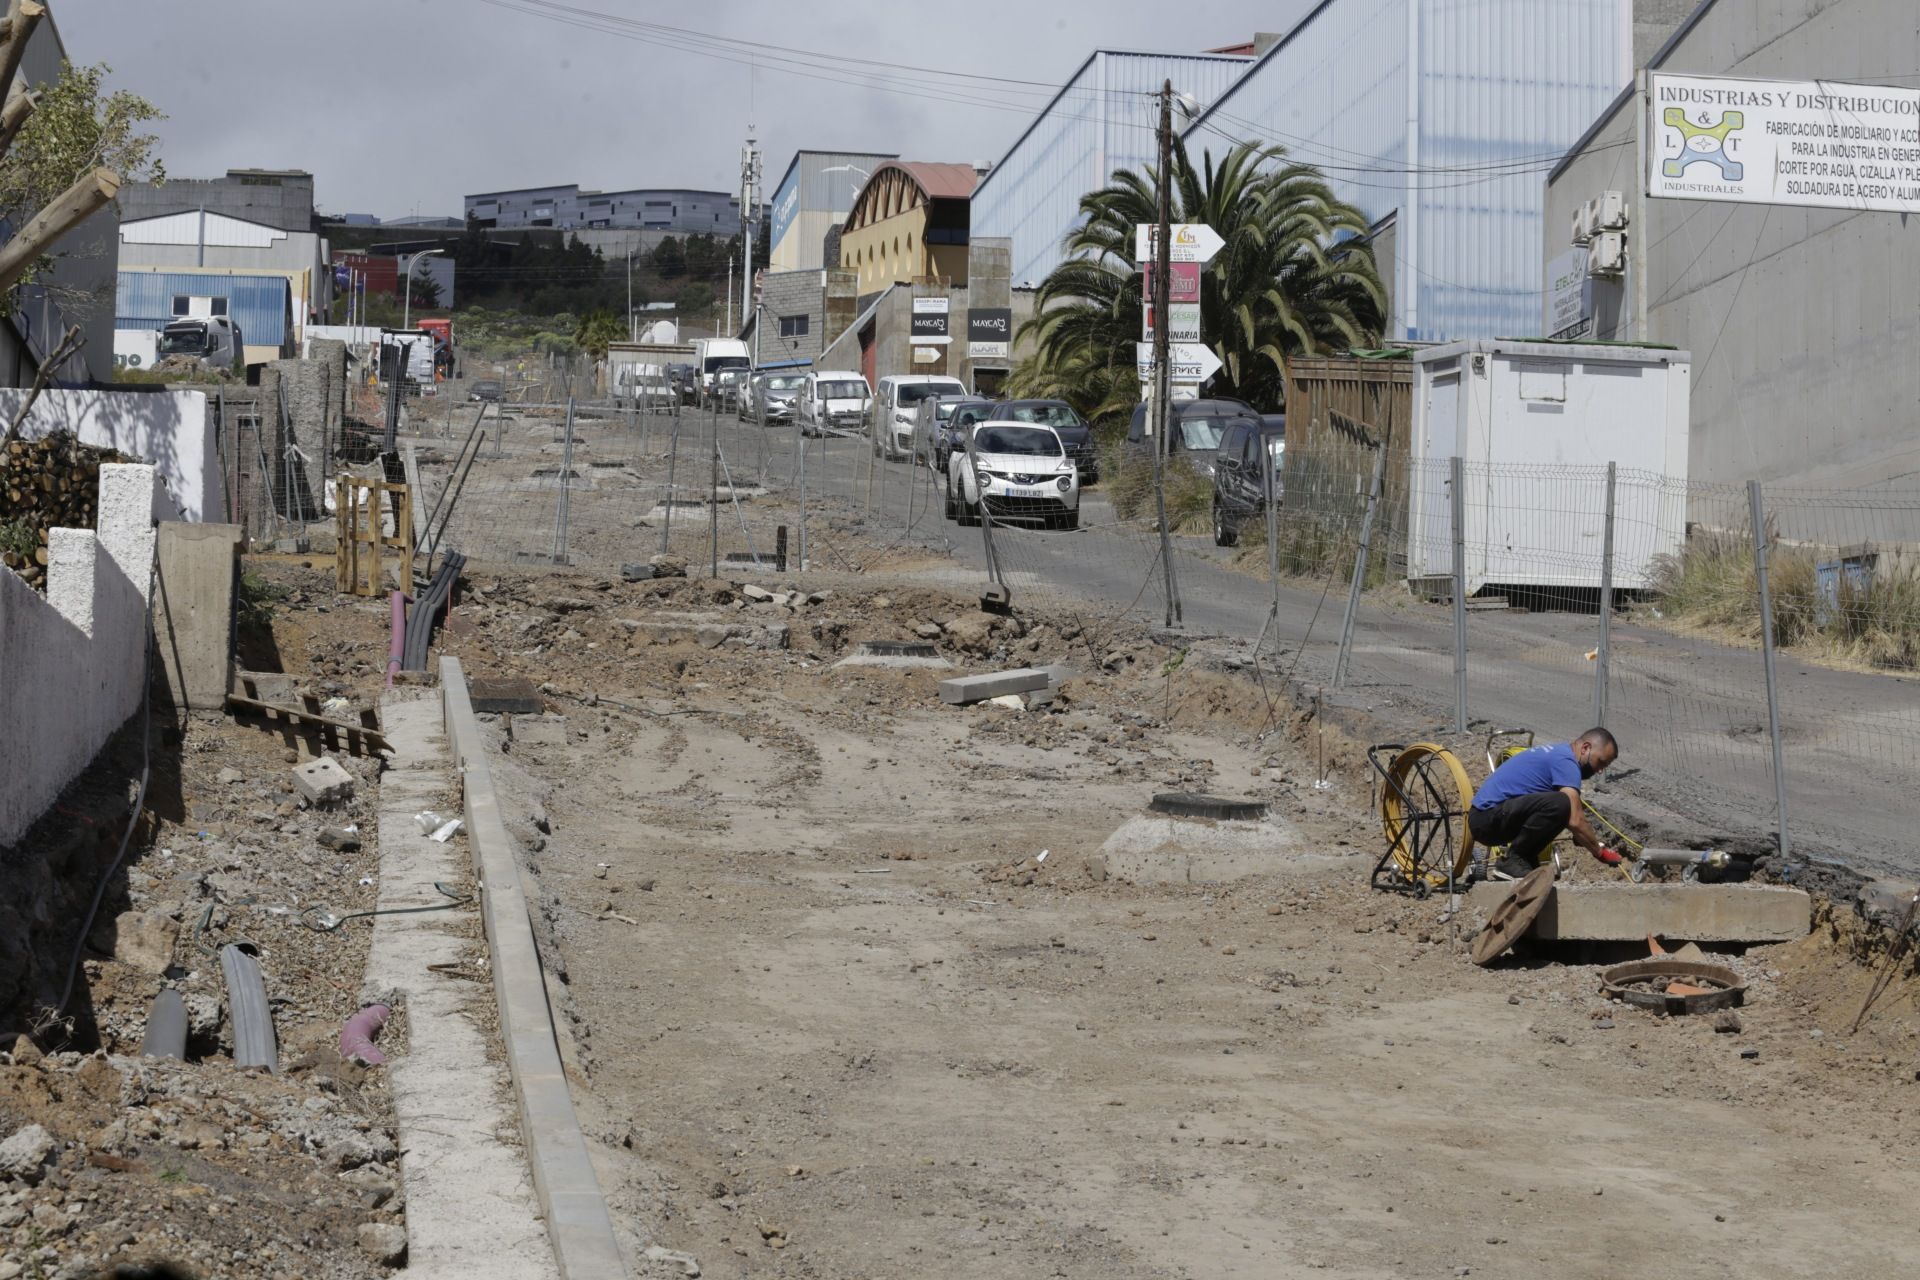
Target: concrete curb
{"x":578,"y":1223}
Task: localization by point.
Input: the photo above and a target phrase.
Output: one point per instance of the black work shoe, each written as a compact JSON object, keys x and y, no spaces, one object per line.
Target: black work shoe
{"x":1515,"y":867}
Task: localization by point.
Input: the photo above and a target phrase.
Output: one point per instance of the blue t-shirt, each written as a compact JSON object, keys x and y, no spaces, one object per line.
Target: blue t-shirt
{"x":1533,"y":771}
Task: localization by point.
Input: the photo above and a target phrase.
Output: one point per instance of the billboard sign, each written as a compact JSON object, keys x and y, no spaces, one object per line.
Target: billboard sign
{"x":1193,"y":362}
{"x":786,"y":206}
{"x":1187,"y":242}
{"x":989,"y":332}
{"x":1818,"y":143}
{"x":929,"y":327}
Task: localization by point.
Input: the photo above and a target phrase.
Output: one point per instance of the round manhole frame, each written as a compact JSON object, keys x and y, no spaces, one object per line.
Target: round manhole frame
{"x":1192,"y":804}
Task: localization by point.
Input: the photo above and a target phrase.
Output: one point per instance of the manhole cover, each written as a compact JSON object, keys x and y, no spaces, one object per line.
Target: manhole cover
{"x":1674,"y":986}
{"x":1187,"y":804}
{"x":897,"y":649}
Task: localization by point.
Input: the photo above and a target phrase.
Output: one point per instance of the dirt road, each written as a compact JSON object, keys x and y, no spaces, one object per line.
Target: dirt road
{"x":833,"y":1017}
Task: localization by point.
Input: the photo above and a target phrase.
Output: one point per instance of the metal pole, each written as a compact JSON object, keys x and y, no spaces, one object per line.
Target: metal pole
{"x":1459,"y":487}
{"x":566,"y":490}
{"x":800,"y":543}
{"x":713,"y":500}
{"x":1759,"y":517}
{"x":1270,"y":482}
{"x":673,"y":460}
{"x":1602,"y":647}
{"x":1162,"y":371}
{"x":1360,"y":558}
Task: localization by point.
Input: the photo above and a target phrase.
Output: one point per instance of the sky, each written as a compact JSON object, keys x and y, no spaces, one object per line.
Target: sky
{"x":401,"y":107}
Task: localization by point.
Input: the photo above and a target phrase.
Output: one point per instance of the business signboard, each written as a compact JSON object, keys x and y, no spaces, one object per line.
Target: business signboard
{"x":929,"y":327}
{"x":1569,"y":294}
{"x":1792,"y":142}
{"x":989,"y":333}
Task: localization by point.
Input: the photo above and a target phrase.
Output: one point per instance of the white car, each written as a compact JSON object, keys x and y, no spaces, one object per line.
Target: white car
{"x":833,"y":403}
{"x":899,"y":398}
{"x":1019,"y":473}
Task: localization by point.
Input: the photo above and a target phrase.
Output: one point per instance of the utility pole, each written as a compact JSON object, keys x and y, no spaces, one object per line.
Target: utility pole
{"x":749,"y":182}
{"x":1162,"y":363}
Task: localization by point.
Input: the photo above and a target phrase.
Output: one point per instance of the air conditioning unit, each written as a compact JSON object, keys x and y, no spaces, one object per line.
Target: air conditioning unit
{"x":1611,"y":211}
{"x":1607,"y":254}
{"x":1580,"y":237}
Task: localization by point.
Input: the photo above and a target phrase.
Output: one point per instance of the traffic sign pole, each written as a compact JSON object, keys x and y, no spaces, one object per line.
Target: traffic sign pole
{"x":1162,"y":364}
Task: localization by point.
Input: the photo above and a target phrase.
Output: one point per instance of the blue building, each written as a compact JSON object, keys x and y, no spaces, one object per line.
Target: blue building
{"x":1442,"y":118}
{"x":568,"y":208}
{"x":261,"y":305}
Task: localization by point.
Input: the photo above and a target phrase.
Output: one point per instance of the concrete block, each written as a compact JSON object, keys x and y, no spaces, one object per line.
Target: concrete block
{"x":193,"y":615}
{"x":515,"y":697}
{"x":1618,"y":912}
{"x":995,"y":684}
{"x":323,"y":781}
{"x":1884,"y":902}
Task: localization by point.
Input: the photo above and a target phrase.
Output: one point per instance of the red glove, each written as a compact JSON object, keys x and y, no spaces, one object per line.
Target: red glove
{"x":1608,"y":856}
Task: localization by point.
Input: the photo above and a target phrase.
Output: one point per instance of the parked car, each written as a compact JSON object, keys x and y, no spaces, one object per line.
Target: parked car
{"x":487,"y":391}
{"x":1075,"y":434}
{"x":1020,"y":474}
{"x":771,"y":397}
{"x":1240,"y":473}
{"x":726,"y":387}
{"x":832,"y":402}
{"x":898,"y":407}
{"x":935,"y":419}
{"x":686,"y":382}
{"x":1196,"y":428}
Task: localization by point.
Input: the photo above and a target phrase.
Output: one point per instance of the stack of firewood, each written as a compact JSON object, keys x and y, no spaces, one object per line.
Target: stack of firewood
{"x":50,"y":483}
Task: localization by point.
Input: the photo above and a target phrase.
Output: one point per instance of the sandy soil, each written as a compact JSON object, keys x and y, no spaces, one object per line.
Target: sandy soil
{"x":832,"y":1017}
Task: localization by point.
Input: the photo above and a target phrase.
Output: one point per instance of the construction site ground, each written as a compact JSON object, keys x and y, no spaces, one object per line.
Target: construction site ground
{"x":833,"y":1014}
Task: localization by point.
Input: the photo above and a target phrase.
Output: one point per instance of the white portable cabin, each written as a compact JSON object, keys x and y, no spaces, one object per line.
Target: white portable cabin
{"x":1535,"y":425}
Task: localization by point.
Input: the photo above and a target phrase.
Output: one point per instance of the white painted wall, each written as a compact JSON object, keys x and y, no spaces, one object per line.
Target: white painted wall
{"x":72,"y":663}
{"x":167,"y":428}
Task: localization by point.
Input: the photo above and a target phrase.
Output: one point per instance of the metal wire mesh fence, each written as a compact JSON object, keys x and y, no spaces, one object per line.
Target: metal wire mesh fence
{"x":1487,"y":596}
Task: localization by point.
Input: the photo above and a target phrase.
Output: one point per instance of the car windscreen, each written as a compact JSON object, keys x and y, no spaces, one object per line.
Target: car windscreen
{"x":843,"y":391}
{"x":726,"y":362}
{"x":944,"y":409}
{"x":1047,"y":415}
{"x":915,"y":392}
{"x":785,"y":382}
{"x":966,"y":414}
{"x":1201,"y":435}
{"x":183,"y":342}
{"x":1030,"y":441}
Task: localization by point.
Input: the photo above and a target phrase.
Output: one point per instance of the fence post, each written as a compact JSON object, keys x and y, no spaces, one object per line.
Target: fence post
{"x":1360,"y":558}
{"x":566,"y":490}
{"x":800,"y":471}
{"x":713,"y":500}
{"x":1269,"y":492}
{"x":673,"y":460}
{"x":1602,"y":646}
{"x":1459,"y":503}
{"x":1758,"y":515}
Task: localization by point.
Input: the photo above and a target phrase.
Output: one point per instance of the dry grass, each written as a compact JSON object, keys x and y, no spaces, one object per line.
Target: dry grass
{"x":1711,"y":585}
{"x":1128,"y":480}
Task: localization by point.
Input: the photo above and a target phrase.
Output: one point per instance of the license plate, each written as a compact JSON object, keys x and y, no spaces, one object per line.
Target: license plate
{"x":1013,"y":492}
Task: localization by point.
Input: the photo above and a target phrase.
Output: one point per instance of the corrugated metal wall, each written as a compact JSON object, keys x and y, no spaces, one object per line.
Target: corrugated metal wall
{"x":1504,"y":87}
{"x":1101,"y":121}
{"x":258,"y":304}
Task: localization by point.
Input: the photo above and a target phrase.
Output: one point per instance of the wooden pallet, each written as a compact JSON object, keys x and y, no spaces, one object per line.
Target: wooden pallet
{"x":358,"y":559}
{"x":308,"y":722}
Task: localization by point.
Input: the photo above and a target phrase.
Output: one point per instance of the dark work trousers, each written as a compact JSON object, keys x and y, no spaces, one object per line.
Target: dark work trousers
{"x":1525,"y":824}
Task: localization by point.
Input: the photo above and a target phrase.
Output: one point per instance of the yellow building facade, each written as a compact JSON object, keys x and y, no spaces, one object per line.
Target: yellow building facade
{"x":909,"y":223}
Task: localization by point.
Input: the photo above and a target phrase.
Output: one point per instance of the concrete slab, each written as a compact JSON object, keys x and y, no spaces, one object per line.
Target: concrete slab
{"x":198,"y":568}
{"x":471,"y":1208}
{"x":1619,"y":912}
{"x":515,"y":697}
{"x":993,"y":684}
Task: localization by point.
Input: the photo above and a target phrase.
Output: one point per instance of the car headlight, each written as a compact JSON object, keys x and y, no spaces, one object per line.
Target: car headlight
{"x":1065,"y":483}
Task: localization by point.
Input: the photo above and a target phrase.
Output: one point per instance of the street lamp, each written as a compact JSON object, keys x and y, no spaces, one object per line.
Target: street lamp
{"x":406,"y":311}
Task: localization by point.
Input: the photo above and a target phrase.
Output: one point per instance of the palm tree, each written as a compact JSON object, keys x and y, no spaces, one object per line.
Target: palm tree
{"x":1290,"y":281}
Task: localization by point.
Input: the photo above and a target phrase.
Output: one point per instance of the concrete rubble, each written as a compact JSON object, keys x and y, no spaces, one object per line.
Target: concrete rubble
{"x":323,"y":781}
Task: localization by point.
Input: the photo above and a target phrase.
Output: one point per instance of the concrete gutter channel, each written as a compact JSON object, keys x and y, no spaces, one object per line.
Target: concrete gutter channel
{"x":579,"y":1226}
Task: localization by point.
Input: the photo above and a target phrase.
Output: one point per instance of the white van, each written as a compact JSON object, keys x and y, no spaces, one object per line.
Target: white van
{"x":834,"y":403}
{"x":899,"y":409}
{"x":711,"y":355}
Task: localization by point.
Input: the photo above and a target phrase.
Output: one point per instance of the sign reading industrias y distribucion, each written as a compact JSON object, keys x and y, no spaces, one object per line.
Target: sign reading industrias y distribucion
{"x":1815,"y":142}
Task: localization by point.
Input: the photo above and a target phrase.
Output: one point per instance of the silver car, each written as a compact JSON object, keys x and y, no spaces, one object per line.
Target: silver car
{"x":772,"y":398}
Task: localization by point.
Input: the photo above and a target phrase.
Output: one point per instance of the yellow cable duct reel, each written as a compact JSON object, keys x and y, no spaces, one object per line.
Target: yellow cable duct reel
{"x":1424,"y":798}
